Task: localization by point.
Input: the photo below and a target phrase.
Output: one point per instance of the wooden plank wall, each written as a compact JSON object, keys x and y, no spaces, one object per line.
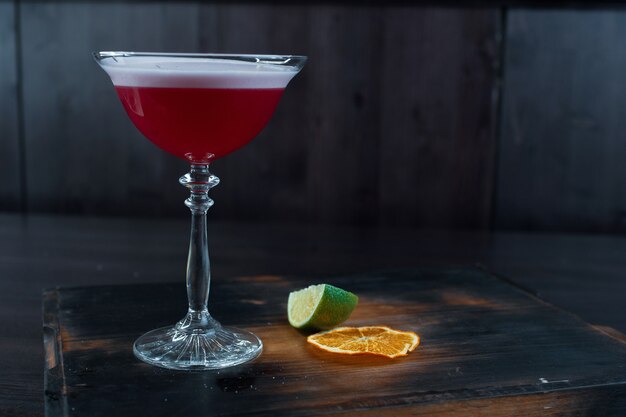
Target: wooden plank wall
{"x":10,"y":183}
{"x":563,"y":137}
{"x":367,"y":134}
{"x":82,"y":153}
{"x":394,"y":121}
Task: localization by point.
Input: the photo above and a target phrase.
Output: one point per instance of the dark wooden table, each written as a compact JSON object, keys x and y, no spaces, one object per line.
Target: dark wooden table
{"x":583,"y":274}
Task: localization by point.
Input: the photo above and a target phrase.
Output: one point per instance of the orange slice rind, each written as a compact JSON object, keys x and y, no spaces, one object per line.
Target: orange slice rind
{"x":372,"y":340}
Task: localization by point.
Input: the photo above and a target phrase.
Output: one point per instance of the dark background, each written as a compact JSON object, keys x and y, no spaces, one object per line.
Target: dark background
{"x":493,"y":117}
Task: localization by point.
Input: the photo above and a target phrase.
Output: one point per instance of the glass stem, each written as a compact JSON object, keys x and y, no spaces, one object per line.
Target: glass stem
{"x":199,"y":181}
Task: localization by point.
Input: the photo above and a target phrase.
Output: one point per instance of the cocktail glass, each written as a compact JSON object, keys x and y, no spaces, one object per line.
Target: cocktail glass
{"x":198,"y":107}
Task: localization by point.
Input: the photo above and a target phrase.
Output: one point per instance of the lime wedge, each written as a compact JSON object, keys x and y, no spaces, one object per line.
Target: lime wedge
{"x":320,"y":307}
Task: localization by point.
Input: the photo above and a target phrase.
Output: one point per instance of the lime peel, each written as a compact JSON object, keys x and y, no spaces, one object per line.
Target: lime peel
{"x":320,"y":307}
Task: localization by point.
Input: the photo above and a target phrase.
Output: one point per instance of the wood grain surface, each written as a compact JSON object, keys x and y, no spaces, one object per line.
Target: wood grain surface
{"x":423,"y":77}
{"x":393,"y":99}
{"x":583,"y":274}
{"x":11,"y":182}
{"x":561,"y":144}
{"x":82,"y":153}
{"x":392,"y":122}
{"x":482,"y":339}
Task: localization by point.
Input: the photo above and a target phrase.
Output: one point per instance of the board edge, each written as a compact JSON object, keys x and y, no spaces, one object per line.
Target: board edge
{"x":55,"y":399}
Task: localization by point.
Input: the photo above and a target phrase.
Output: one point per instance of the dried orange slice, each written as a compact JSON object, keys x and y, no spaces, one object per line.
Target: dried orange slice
{"x":376,"y":340}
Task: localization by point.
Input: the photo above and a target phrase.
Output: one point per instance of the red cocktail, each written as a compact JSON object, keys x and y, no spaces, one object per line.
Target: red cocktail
{"x":193,"y":123}
{"x":199,"y":107}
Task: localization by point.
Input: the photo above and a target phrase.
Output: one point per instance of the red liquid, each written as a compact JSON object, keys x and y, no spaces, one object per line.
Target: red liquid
{"x":195,"y":123}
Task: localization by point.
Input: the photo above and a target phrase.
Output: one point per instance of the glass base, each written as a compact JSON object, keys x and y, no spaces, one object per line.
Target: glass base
{"x":189,"y":347}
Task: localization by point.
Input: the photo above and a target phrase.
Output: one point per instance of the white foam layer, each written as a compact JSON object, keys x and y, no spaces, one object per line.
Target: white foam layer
{"x":177,"y":72}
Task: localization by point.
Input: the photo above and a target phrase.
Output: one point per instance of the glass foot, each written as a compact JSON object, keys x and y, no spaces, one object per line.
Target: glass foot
{"x":187,"y":347}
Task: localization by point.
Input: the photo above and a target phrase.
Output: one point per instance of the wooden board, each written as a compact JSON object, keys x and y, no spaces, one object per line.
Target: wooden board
{"x":10,"y":159}
{"x":488,"y":348}
{"x":581,"y":273}
{"x":563,"y":121}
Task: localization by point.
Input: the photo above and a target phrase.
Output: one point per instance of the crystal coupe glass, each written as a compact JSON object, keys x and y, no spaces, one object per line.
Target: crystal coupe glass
{"x":198,"y":107}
